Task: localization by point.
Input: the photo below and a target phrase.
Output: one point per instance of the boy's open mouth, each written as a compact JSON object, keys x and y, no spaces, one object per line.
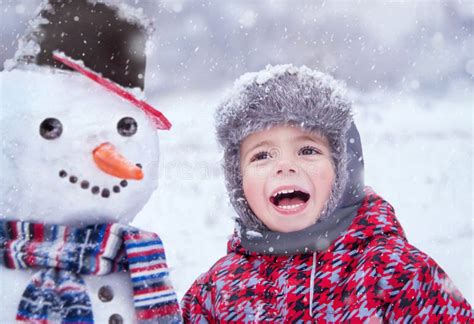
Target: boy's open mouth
{"x":289,"y":199}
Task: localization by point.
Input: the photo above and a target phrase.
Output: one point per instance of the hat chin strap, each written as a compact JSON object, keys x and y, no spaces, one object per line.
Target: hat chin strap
{"x":317,"y":237}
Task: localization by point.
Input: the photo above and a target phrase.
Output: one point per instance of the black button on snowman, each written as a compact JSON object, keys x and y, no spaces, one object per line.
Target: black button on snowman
{"x":115,"y":319}
{"x":106,"y":294}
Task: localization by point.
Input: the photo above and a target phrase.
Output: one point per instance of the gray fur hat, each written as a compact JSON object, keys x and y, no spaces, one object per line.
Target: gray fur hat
{"x":277,"y":95}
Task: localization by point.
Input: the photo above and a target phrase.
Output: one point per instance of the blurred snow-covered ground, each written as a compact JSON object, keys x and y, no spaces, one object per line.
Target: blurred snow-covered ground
{"x":418,"y":155}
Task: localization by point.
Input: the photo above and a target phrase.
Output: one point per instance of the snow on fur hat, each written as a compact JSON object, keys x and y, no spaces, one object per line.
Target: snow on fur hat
{"x":277,"y":95}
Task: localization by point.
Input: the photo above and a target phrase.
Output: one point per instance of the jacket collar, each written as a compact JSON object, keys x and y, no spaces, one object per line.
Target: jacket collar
{"x":373,"y":217}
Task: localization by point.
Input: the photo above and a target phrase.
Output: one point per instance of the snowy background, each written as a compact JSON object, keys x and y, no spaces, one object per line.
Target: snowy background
{"x":410,"y":69}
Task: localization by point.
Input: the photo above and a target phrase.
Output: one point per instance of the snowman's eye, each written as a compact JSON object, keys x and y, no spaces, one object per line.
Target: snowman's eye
{"x":127,"y":126}
{"x":51,"y":128}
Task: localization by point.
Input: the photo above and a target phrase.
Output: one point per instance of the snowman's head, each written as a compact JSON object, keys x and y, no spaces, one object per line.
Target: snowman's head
{"x":71,"y":151}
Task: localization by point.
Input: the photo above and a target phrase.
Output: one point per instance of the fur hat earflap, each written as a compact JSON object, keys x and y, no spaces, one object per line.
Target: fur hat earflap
{"x":282,"y":95}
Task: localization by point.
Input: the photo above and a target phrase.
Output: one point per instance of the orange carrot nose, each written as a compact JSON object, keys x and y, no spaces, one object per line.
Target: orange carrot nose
{"x":109,"y":160}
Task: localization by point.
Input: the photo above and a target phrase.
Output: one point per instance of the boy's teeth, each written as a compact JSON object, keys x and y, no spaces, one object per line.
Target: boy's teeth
{"x":290,"y":206}
{"x":284,"y":192}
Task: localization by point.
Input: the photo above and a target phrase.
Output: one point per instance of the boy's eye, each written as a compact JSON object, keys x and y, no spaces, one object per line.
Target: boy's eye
{"x":309,"y":150}
{"x":260,"y":156}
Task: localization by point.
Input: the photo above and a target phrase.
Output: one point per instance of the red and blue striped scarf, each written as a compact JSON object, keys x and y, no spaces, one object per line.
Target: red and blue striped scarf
{"x":62,"y":254}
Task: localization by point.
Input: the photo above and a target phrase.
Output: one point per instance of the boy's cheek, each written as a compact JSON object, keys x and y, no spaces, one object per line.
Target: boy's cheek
{"x":253,"y":182}
{"x":250,"y":192}
{"x":310,"y":168}
{"x":253,"y":193}
{"x":317,"y":167}
{"x":255,"y":174}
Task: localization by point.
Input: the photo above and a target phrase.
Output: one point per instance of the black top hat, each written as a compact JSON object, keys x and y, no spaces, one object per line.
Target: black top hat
{"x":96,"y":33}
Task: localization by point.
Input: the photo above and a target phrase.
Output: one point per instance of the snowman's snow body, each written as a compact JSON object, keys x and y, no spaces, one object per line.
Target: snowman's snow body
{"x":51,"y":180}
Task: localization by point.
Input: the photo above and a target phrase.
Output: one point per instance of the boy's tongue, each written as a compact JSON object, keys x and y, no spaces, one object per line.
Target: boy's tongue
{"x":291,"y":201}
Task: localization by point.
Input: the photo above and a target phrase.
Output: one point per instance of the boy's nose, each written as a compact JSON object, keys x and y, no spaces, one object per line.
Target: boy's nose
{"x":286,"y":168}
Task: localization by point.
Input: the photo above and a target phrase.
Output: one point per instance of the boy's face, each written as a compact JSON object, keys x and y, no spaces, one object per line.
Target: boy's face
{"x":287,"y":176}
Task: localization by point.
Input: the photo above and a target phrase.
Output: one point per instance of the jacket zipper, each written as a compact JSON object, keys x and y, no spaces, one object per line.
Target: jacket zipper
{"x":311,"y":285}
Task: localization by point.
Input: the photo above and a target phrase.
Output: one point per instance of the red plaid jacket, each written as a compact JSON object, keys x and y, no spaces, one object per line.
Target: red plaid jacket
{"x":370,"y":274}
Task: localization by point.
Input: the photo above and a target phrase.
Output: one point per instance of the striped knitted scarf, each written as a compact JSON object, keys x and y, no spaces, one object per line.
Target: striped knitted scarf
{"x":57,"y":293}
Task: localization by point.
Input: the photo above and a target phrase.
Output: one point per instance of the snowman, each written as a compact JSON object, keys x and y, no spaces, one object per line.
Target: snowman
{"x":79,"y":159}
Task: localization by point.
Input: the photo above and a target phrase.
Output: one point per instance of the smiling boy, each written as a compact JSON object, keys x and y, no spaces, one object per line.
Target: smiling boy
{"x":287,"y":176}
{"x":312,"y":243}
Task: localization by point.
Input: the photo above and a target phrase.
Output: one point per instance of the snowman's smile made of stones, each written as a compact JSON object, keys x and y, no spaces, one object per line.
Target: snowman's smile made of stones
{"x":105,"y":156}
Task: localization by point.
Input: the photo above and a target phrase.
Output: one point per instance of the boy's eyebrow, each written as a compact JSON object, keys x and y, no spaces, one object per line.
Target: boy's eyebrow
{"x":253,"y":147}
{"x":313,"y":138}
